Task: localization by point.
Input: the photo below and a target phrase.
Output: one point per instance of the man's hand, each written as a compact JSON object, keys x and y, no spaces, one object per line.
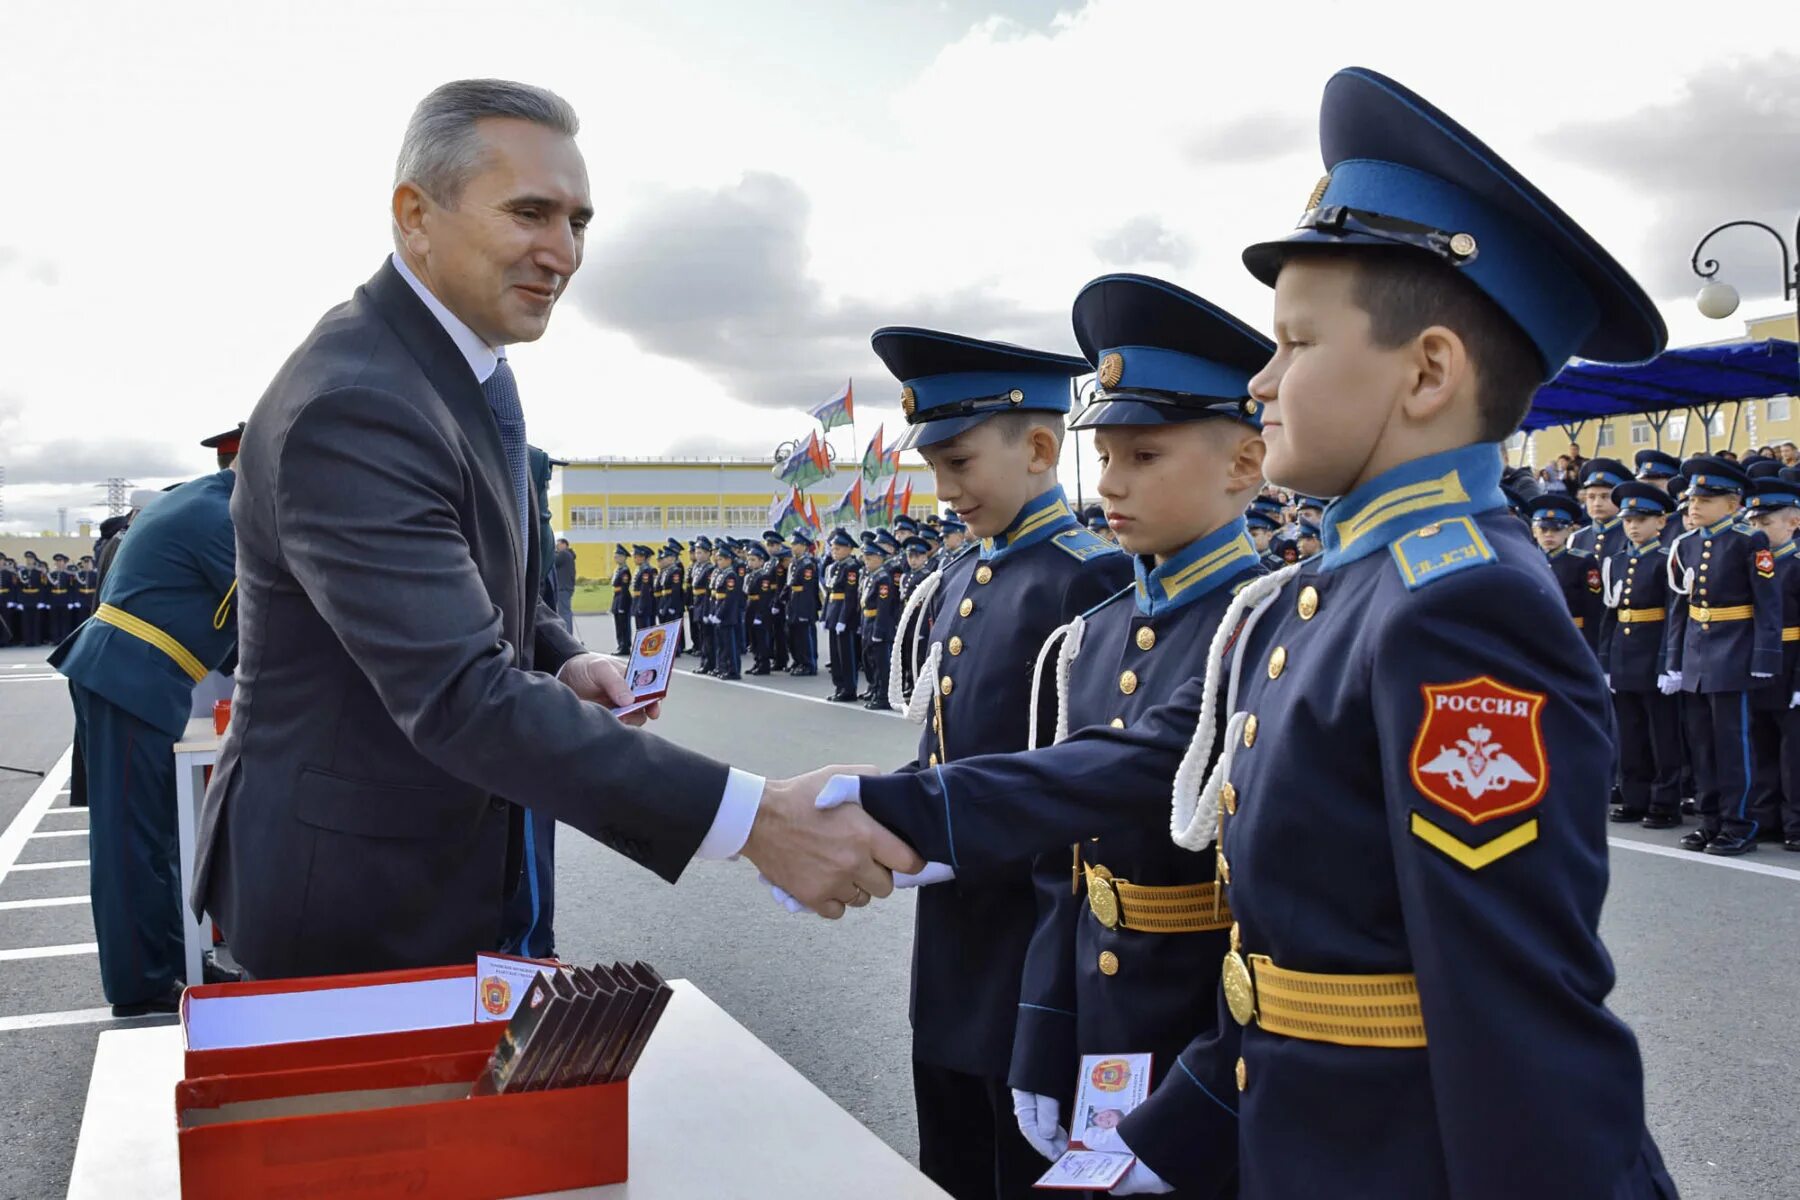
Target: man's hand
{"x":827,"y":859}
{"x":601,"y":680}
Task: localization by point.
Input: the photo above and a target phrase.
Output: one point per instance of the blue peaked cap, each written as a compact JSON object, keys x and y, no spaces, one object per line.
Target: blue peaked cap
{"x":1402,"y":173}
{"x":1552,"y":509}
{"x":1646,"y":499}
{"x":953,"y":383}
{"x":1162,"y":354}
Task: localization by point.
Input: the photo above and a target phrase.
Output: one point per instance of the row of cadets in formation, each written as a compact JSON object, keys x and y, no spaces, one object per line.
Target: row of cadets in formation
{"x":1385,"y":762}
{"x":1685,"y":586}
{"x":41,"y":605}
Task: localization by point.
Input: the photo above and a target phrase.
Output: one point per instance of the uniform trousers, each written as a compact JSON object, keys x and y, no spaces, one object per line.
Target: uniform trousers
{"x":622,"y":632}
{"x":134,"y":856}
{"x":878,"y":666}
{"x":843,"y":660}
{"x":1649,"y":752}
{"x":1790,"y":773}
{"x":1725,"y":771}
{"x":803,"y":637}
{"x":728,"y":640}
{"x":778,"y":642}
{"x":969,"y":1140}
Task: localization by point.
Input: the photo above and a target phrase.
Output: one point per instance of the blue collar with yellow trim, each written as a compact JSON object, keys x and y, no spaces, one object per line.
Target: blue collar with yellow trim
{"x":1722,"y":524}
{"x":1042,"y":517}
{"x":1202,"y":567}
{"x":1786,"y":549}
{"x":1438,"y":487}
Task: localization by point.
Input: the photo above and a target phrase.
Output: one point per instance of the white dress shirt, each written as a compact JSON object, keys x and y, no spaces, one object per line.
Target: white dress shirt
{"x":743,"y":791}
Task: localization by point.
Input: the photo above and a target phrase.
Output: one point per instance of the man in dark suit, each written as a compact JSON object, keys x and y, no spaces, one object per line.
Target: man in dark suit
{"x":366,"y":812}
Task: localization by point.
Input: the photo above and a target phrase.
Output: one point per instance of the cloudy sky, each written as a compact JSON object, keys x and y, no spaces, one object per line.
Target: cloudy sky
{"x":189,"y":186}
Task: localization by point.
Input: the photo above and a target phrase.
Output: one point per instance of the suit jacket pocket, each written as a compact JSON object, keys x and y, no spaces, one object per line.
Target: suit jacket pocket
{"x":368,"y":808}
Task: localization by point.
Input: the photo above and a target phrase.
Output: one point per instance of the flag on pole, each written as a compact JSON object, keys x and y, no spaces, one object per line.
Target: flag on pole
{"x":849,"y":507}
{"x":777,"y":509}
{"x":873,"y":457}
{"x":873,"y":507}
{"x":893,"y":497}
{"x":905,"y":499}
{"x":805,"y":466}
{"x":812,"y":515}
{"x":839,"y":410}
{"x":893,"y":462}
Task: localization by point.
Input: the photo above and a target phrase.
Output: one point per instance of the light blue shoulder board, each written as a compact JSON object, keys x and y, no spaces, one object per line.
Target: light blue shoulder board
{"x":1083,"y":544}
{"x":1429,"y":553}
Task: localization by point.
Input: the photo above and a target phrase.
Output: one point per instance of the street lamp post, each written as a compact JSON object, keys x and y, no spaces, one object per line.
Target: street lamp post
{"x":1719,"y":300}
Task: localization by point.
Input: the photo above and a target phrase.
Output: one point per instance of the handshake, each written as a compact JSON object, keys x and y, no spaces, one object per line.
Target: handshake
{"x":825,"y":858}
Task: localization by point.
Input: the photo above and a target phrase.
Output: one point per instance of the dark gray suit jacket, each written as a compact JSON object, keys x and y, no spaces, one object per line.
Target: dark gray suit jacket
{"x":390,"y":696}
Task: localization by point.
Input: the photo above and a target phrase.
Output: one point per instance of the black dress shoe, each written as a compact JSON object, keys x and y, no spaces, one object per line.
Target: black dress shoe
{"x":1695,"y":839}
{"x":842,"y":698}
{"x":1726,"y":844}
{"x":757,"y":671}
{"x":1689,"y":808}
{"x":1621,"y":814}
{"x":877,"y":705}
{"x":1666,"y":820}
{"x":1792,"y":843}
{"x":168,"y":1002}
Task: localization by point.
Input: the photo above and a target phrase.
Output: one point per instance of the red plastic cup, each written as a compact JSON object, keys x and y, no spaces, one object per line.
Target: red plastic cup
{"x":221,"y":716}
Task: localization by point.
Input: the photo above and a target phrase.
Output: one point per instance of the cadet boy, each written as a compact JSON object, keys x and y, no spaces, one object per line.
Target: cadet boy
{"x":643,"y":589}
{"x":1724,"y":645}
{"x":842,"y":582}
{"x":988,"y":419}
{"x":671,"y":597}
{"x":779,"y":556}
{"x":1126,"y":959}
{"x":621,"y":600}
{"x":1602,"y":536}
{"x":34,"y":607}
{"x":1409,"y":825}
{"x":700,"y":586}
{"x":803,"y":606}
{"x":758,"y":587}
{"x":1635,"y":582}
{"x":880,"y":616}
{"x":1576,"y":574}
{"x":727,"y":614}
{"x":1773,"y":507}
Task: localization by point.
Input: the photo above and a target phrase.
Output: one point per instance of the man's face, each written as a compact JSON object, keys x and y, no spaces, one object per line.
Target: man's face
{"x":984,"y":476}
{"x":1708,"y":510}
{"x":1599,"y":502}
{"x":1550,"y":538}
{"x":1778,"y":523}
{"x":1165,"y":485}
{"x":501,"y":257}
{"x":1331,"y":392}
{"x":1643,"y":528}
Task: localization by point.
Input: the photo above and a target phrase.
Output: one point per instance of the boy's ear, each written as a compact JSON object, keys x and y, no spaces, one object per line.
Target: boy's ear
{"x":1441,"y":372}
{"x":1044,"y":449}
{"x":1245,"y":470}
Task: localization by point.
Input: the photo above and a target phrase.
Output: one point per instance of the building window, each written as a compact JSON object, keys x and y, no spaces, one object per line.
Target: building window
{"x":634,"y":516}
{"x":587,"y":518}
{"x":1676,"y":427}
{"x":737,"y":518}
{"x":689,"y":516}
{"x":1605,"y":438}
{"x":1715,"y":424}
{"x":1779,"y":408}
{"x":1641,"y":434}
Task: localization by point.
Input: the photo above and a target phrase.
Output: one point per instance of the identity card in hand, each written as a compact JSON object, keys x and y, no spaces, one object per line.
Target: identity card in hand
{"x":1111,"y":1085}
{"x":652,"y":663}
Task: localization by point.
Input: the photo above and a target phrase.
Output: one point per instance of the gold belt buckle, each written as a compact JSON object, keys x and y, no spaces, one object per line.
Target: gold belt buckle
{"x":1234,"y":976}
{"x":1103,"y":897}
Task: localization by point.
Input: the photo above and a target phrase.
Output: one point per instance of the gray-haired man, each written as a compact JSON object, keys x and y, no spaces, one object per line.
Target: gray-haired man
{"x":365,"y":813}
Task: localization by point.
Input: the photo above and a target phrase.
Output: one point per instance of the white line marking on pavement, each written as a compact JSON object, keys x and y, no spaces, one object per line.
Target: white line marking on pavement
{"x":47,"y":902}
{"x":12,"y":839}
{"x":65,"y":811}
{"x":67,"y":951}
{"x":58,"y":833}
{"x":757,"y":687}
{"x":74,"y":1016}
{"x":50,"y":866}
{"x":1709,"y":860}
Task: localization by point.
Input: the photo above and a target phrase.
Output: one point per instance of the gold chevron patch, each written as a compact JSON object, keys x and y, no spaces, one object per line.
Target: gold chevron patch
{"x":1474,"y":857}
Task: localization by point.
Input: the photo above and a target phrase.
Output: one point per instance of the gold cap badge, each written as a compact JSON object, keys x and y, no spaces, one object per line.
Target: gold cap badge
{"x":1112,"y":369}
{"x":909,"y":402}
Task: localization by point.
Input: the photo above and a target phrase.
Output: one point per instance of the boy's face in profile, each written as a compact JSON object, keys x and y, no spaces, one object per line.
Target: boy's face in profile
{"x":1778,"y":523}
{"x":1643,"y":528}
{"x":1166,"y":486}
{"x":986,"y":476}
{"x":1331,"y":392}
{"x":1550,"y":538}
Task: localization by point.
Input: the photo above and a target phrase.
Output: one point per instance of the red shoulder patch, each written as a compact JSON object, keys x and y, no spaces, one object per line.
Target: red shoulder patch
{"x":1765,"y":563}
{"x":1480,"y":749}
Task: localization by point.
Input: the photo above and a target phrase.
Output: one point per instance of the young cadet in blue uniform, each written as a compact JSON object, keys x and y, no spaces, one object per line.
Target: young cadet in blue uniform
{"x":1575,"y":571}
{"x":842,"y":583}
{"x":31,"y":604}
{"x":9,"y":601}
{"x":700,"y":587}
{"x":671,"y":584}
{"x":757,"y":589}
{"x":880,"y":618}
{"x":1635,"y":583}
{"x":87,"y":586}
{"x":1131,"y":930}
{"x":621,"y":600}
{"x":727,"y":616}
{"x":59,"y":586}
{"x":1773,"y":510}
{"x":1410,"y":827}
{"x":166,"y":618}
{"x":776,"y":617}
{"x":1261,"y":527}
{"x":803,"y":606}
{"x":1724,"y":644}
{"x":988,"y":419}
{"x":1602,"y":535}
{"x":643,"y":589}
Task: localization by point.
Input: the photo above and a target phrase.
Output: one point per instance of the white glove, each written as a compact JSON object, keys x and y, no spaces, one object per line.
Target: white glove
{"x":1669,"y":683}
{"x":1039,"y":1120}
{"x":840,"y":627}
{"x":934,"y":872}
{"x":847,"y":789}
{"x":1762,"y":674}
{"x":758,"y":621}
{"x":1140,"y":1180}
{"x":1609,"y":686}
{"x":1794,"y":702}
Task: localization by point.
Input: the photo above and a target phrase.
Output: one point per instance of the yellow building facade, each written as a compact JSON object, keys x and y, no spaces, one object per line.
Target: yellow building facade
{"x":598,"y":503}
{"x":1739,"y":427}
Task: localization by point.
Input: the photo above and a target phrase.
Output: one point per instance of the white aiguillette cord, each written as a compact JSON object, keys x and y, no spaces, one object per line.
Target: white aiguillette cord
{"x":1685,"y":584}
{"x":1194,"y":812}
{"x":1069,"y":636}
{"x":919,"y":704}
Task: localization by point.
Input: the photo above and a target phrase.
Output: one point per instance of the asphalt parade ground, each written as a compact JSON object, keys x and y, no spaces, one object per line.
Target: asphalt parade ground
{"x":1707,"y":950}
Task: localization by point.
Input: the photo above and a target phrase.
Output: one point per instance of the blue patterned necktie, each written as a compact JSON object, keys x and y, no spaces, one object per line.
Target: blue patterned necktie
{"x":502,"y":393}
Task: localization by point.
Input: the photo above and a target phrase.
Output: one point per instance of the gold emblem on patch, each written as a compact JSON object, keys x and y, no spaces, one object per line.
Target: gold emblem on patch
{"x":1318,"y":192}
{"x":909,"y":402}
{"x":1462,"y":245}
{"x":1112,"y":369}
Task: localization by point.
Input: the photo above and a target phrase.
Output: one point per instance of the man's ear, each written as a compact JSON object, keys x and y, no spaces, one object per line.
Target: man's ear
{"x":1045,"y":449}
{"x":1441,"y":371}
{"x":411,"y":205}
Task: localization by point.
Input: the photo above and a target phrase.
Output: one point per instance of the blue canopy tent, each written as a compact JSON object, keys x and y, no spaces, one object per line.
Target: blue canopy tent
{"x":1704,"y":378}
